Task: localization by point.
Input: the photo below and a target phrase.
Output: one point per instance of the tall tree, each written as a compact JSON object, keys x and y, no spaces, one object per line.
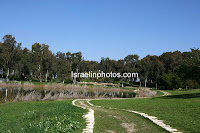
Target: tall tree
{"x":8,"y":52}
{"x":171,"y":61}
{"x":37,"y":60}
{"x":144,"y":71}
{"x":130,"y":62}
{"x":26,"y":62}
{"x":64,"y":67}
{"x":46,"y":61}
{"x":189,"y":70}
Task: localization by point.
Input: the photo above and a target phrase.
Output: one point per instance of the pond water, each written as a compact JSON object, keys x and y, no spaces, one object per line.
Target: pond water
{"x":20,"y":94}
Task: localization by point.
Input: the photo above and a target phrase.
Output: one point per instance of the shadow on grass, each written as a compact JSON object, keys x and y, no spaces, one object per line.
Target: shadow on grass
{"x":183,"y":96}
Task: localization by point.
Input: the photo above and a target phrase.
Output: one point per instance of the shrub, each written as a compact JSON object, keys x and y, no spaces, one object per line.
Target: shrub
{"x":170,"y":81}
{"x":191,"y":84}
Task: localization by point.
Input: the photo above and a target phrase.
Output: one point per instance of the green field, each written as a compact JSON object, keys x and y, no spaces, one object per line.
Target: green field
{"x":179,"y":92}
{"x":112,"y":120}
{"x":38,"y":116}
{"x":119,"y":121}
{"x":180,"y":110}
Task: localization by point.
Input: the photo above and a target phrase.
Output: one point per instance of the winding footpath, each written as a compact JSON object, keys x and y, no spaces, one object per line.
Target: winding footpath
{"x":90,"y":115}
{"x":165,"y":93}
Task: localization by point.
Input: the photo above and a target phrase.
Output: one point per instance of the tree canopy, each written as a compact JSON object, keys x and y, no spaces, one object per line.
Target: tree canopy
{"x":171,"y":70}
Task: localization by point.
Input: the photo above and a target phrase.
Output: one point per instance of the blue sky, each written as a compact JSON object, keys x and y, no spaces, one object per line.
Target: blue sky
{"x":104,"y":28}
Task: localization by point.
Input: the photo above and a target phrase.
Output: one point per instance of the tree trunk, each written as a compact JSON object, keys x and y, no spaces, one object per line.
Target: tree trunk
{"x":122,"y":83}
{"x":40,"y":74}
{"x":7,"y":73}
{"x":145,"y":85}
{"x":156,"y":85}
{"x":2,"y":73}
{"x":74,"y":81}
{"x":6,"y":95}
{"x":140,"y":83}
{"x":46,"y":76}
{"x":14,"y":75}
{"x":150,"y":83}
{"x":40,"y":77}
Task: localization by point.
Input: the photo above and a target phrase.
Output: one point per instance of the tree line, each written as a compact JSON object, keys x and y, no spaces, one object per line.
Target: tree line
{"x":171,"y":70}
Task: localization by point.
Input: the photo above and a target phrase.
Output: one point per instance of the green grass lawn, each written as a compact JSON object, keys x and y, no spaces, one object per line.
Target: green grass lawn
{"x":112,"y":120}
{"x":181,"y":110}
{"x":159,"y":93}
{"x":179,"y":92}
{"x":37,"y":116}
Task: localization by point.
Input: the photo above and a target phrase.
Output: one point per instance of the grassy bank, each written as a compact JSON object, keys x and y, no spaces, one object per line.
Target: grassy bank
{"x":179,"y":92}
{"x":180,"y":110}
{"x":35,"y":82}
{"x":37,"y":116}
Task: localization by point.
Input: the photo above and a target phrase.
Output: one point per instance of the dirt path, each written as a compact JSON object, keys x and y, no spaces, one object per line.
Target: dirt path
{"x":154,"y":119}
{"x":165,"y":93}
{"x":89,"y":116}
{"x":112,"y":120}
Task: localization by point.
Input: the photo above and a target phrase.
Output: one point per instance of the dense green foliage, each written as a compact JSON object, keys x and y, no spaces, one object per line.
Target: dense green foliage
{"x":41,"y":116}
{"x":180,"y":110}
{"x":170,"y":81}
{"x":171,"y":70}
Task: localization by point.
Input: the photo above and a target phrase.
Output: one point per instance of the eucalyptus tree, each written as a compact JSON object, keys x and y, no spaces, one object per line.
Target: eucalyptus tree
{"x":130,"y":64}
{"x":171,"y":61}
{"x":106,"y":65}
{"x":8,"y":53}
{"x":189,"y":70}
{"x":120,"y":64}
{"x":47,"y":61}
{"x":156,"y":69}
{"x":54,"y":67}
{"x":2,"y":62}
{"x":63,"y":66}
{"x":76,"y":59}
{"x":145,"y":66}
{"x":37,"y":60}
{"x":17,"y":65}
{"x":87,"y":66}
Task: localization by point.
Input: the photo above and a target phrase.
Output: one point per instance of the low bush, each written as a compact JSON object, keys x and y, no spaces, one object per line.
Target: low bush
{"x":61,"y":124}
